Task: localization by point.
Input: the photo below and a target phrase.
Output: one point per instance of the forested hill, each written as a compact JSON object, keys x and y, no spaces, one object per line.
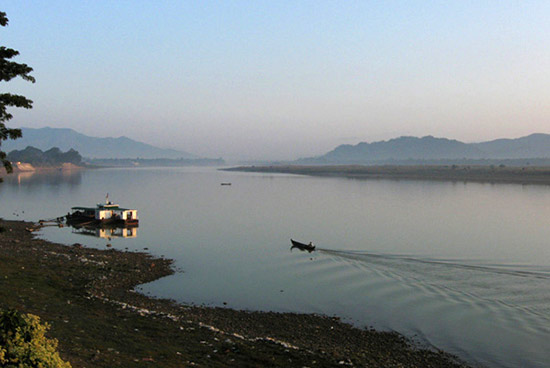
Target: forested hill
{"x":91,"y":147}
{"x":432,"y":148}
{"x":52,"y":157}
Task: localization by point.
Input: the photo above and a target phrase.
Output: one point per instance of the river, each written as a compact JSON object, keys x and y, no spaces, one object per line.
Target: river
{"x":464,"y":267}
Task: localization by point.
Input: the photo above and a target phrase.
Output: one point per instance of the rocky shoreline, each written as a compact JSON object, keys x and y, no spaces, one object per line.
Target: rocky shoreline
{"x":88,"y":297}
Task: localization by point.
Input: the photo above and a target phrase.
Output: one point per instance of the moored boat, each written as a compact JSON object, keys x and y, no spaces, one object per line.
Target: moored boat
{"x":103,"y":213}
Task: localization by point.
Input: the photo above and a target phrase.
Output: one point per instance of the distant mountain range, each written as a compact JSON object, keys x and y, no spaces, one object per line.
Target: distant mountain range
{"x":431,"y":149}
{"x":91,"y":147}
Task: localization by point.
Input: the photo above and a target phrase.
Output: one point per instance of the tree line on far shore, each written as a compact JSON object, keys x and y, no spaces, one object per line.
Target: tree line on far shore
{"x":52,"y":157}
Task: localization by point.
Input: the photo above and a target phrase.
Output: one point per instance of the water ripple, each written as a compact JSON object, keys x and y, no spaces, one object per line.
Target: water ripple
{"x":418,"y":289}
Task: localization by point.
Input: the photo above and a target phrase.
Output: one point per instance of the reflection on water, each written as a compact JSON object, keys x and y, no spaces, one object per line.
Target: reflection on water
{"x":28,"y":179}
{"x":106,"y":232}
{"x":501,"y":312}
{"x":23,"y":176}
{"x":462,"y":267}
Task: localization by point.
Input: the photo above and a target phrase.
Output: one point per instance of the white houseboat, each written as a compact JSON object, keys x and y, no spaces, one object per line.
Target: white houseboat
{"x":107,"y":213}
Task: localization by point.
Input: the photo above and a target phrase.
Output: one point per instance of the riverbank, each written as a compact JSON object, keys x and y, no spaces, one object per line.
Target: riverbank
{"x":87,"y":296}
{"x":22,"y":167}
{"x":456,"y":173}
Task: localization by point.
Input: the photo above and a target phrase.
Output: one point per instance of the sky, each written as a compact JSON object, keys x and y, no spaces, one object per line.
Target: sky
{"x":281,"y":80}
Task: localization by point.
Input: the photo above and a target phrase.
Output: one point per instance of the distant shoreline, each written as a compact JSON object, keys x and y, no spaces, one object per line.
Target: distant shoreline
{"x":456,"y":173}
{"x":26,"y":167}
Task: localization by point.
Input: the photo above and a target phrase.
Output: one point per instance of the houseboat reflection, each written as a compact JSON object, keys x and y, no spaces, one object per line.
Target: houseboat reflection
{"x":106,"y":232}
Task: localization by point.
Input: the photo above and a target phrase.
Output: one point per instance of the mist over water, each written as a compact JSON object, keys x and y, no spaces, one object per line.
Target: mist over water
{"x":461,"y":267}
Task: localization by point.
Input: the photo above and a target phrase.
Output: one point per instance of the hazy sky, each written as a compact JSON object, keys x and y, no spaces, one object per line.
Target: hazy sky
{"x":283,"y":79}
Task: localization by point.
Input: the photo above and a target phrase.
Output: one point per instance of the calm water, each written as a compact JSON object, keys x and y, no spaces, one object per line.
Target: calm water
{"x":462,"y":267}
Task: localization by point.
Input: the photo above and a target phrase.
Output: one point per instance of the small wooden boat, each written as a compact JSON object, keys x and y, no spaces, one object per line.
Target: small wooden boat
{"x":301,"y":246}
{"x":226,"y":183}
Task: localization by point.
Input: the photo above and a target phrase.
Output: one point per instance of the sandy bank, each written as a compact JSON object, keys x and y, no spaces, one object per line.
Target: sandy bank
{"x":22,"y":167}
{"x":483,"y":174}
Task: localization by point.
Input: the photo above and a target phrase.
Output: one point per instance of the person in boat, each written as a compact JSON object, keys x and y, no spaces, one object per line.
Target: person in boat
{"x":302,"y":246}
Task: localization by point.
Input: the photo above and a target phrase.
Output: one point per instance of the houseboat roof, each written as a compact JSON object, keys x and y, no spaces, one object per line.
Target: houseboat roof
{"x":83,"y":208}
{"x":101,"y":207}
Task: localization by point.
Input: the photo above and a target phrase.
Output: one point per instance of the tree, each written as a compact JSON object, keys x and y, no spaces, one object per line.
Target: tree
{"x":9,"y":70}
{"x":52,"y":157}
{"x":23,"y":342}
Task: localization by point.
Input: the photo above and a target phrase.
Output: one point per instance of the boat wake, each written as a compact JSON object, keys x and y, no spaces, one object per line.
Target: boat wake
{"x":509,"y":303}
{"x":504,"y":269}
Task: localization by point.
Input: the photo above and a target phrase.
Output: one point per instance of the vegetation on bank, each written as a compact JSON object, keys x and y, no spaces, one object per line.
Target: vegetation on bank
{"x":23,"y":342}
{"x":52,"y":157}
